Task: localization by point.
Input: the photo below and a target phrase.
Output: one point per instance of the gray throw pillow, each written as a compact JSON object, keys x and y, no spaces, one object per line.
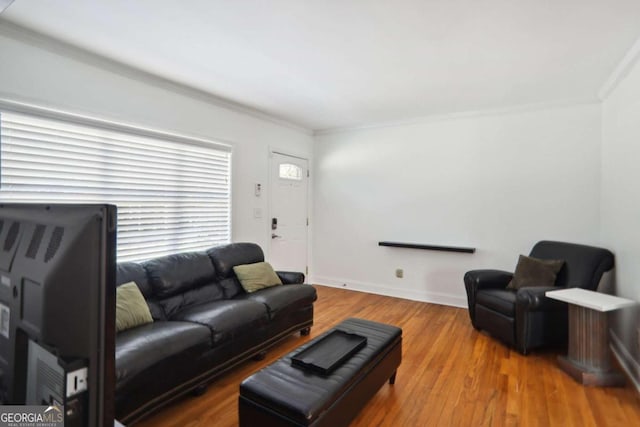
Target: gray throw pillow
{"x":535,"y":272}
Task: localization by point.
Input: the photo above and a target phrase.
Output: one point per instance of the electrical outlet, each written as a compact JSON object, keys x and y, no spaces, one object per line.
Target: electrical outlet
{"x":399,"y":273}
{"x":76,"y":381}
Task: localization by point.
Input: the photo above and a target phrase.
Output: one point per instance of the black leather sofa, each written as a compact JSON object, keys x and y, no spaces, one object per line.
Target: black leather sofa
{"x":204,"y":324}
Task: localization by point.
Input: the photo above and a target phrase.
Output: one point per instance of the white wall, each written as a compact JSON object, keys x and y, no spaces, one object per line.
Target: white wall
{"x":620,"y":209}
{"x":620,"y":181}
{"x":53,"y":75}
{"x":495,"y":182}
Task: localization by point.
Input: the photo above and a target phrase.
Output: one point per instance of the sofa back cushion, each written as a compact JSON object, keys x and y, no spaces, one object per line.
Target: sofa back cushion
{"x":207,"y":293}
{"x":133,"y":272}
{"x":175,"y":274}
{"x":226,"y":257}
{"x":231,"y":286}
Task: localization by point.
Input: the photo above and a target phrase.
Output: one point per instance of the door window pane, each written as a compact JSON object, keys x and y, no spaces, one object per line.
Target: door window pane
{"x":290,"y":171}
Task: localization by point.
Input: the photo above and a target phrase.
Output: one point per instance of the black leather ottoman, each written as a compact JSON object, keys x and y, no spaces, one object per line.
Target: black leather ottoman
{"x":283,"y":395}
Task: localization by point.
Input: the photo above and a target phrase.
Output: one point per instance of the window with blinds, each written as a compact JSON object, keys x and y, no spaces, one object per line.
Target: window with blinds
{"x":172,"y":195}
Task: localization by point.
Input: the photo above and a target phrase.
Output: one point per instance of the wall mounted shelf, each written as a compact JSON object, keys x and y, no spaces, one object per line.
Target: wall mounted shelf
{"x":428,"y":247}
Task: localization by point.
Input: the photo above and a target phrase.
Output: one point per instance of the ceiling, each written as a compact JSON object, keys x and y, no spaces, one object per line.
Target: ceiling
{"x":330,"y":64}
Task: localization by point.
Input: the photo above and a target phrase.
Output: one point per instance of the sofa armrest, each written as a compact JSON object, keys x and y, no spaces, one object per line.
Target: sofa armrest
{"x":534,"y":299}
{"x":290,"y":277}
{"x":487,"y":279}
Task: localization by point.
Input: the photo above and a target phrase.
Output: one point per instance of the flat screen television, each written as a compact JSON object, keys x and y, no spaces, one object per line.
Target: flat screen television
{"x":57,"y":309}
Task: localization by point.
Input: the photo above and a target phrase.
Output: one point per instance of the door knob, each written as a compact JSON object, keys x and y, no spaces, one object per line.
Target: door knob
{"x":274,"y":236}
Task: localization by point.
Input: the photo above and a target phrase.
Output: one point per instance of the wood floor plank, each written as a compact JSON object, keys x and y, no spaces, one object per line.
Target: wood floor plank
{"x":450,"y":374}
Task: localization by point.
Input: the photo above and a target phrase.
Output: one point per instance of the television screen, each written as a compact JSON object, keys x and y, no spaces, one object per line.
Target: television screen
{"x":57,"y":309}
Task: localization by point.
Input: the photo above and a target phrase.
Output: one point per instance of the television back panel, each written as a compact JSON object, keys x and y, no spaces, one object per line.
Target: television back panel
{"x":57,"y":289}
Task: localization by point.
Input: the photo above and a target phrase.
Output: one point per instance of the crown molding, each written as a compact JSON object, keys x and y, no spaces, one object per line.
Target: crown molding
{"x":4,"y":4}
{"x":515,"y":109}
{"x":42,"y":41}
{"x":620,"y":72}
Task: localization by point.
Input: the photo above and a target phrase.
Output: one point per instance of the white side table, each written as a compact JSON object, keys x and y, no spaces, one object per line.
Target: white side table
{"x":588,"y":360}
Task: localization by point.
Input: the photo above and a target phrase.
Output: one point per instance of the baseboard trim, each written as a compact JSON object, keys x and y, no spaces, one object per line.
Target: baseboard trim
{"x":624,"y":358}
{"x":378,"y":289}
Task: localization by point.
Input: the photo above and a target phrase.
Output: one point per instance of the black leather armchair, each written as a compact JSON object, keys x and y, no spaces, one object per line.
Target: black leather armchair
{"x":525,"y":318}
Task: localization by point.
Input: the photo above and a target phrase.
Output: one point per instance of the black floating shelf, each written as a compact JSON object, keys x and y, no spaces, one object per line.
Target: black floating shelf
{"x":428,"y":247}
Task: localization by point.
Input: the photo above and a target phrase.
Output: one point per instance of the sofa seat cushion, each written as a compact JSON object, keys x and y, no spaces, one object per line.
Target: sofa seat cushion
{"x":500,"y":300}
{"x":280,"y":300}
{"x":158,"y":346}
{"x":227,"y":318}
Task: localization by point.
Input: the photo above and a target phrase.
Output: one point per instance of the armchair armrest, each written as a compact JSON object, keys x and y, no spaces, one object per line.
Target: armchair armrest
{"x":290,"y":277}
{"x":476,"y":280}
{"x":534,"y":299}
{"x":487,"y":279}
{"x":540,"y":321}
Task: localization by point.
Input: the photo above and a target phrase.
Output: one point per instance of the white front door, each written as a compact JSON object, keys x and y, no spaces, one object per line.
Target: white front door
{"x":289,"y":215}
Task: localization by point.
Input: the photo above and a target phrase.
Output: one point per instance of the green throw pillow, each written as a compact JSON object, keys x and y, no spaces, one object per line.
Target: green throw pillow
{"x":131,"y":308}
{"x":254,"y":277}
{"x":535,"y":272}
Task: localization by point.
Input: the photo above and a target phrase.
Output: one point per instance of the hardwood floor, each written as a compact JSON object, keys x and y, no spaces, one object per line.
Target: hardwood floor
{"x":450,"y":375}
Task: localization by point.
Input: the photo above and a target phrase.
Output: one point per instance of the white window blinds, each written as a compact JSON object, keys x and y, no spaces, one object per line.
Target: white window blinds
{"x":171,"y":196}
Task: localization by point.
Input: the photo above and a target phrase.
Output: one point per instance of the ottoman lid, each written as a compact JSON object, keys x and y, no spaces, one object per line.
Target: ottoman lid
{"x":302,"y":395}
